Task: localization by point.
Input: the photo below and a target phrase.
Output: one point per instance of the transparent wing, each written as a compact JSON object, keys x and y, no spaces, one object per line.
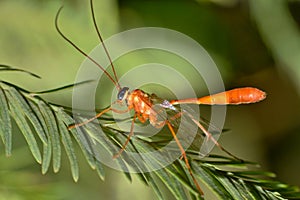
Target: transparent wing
{"x":204,"y":133}
{"x":194,"y":133}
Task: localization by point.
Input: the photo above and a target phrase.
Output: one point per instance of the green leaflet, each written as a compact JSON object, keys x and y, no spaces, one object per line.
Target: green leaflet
{"x":47,"y":147}
{"x":153,"y":183}
{"x":210,"y":181}
{"x":47,"y":152}
{"x":29,"y":113}
{"x":18,"y":114}
{"x":170,"y":182}
{"x":68,"y":145}
{"x":51,"y":124}
{"x":79,"y":139}
{"x":5,"y":123}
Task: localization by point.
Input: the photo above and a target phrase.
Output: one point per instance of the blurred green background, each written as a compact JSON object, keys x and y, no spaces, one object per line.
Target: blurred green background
{"x":254,"y":43}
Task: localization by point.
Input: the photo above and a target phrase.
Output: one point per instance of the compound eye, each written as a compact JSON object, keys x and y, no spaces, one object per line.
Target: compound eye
{"x":123,"y":93}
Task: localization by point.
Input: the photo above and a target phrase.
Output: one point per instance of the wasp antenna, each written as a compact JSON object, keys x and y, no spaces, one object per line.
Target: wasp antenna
{"x":81,"y":51}
{"x":104,"y":47}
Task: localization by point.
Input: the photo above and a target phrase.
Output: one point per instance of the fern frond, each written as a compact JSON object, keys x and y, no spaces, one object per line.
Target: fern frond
{"x":44,"y":126}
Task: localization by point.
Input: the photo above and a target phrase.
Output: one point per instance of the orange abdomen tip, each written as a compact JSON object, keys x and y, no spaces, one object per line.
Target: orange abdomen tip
{"x":235,"y":96}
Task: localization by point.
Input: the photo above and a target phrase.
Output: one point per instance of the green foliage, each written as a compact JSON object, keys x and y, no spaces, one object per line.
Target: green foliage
{"x":45,"y":128}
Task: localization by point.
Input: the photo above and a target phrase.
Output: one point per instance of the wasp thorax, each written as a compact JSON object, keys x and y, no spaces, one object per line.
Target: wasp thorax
{"x":123,"y":93}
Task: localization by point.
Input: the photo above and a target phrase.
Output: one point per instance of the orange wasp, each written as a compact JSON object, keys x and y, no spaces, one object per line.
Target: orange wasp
{"x":142,"y":103}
